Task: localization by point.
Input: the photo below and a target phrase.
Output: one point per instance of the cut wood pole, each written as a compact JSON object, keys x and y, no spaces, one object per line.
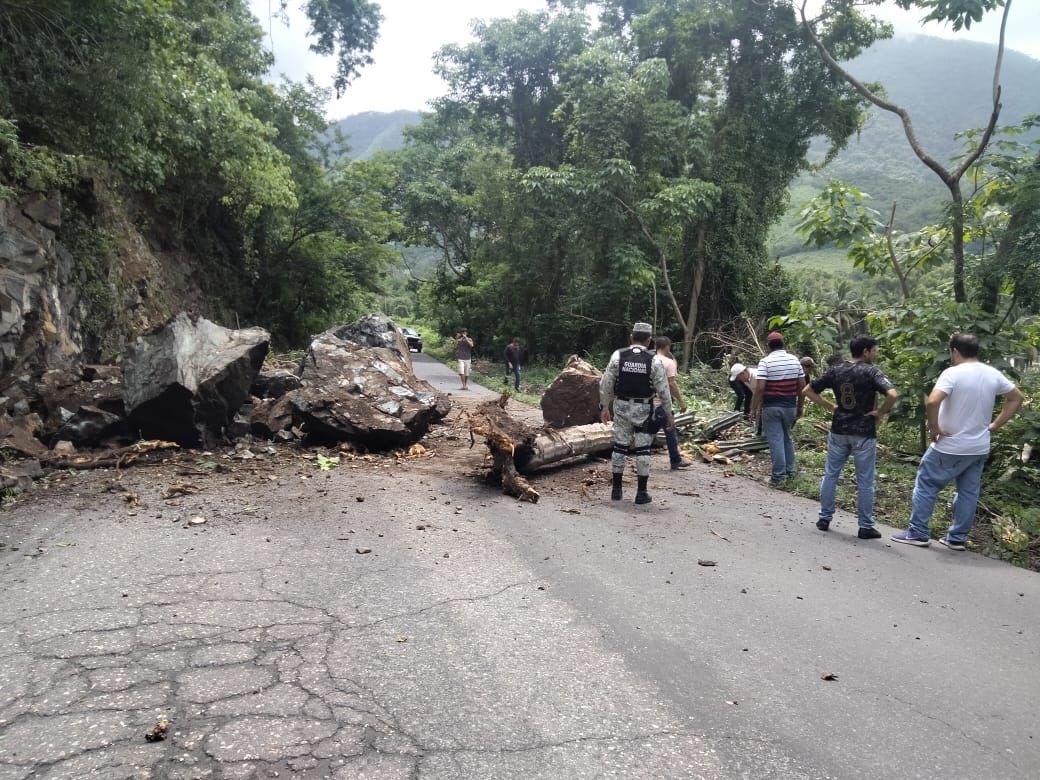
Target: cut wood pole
{"x":754,"y":445}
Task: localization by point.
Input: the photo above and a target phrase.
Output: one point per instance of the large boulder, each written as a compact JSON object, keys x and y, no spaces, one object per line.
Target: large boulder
{"x":376,"y":330}
{"x":573,"y":397}
{"x":361,"y":394}
{"x":190,"y":377}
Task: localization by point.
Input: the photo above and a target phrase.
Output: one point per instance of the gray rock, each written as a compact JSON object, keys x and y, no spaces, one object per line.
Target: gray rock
{"x":375,"y":330}
{"x":46,"y":211}
{"x":361,"y":394}
{"x":18,"y":477}
{"x":270,"y":417}
{"x":190,"y":376}
{"x":88,"y":426}
{"x":275,"y":384}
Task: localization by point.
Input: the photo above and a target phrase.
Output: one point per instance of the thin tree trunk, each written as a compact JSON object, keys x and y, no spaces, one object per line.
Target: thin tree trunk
{"x":896,"y":265}
{"x":690,"y":323}
{"x":950,"y":178}
{"x":959,"y":293}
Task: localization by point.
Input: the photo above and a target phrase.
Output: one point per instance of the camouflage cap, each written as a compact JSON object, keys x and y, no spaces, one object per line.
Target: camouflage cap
{"x":643,"y":327}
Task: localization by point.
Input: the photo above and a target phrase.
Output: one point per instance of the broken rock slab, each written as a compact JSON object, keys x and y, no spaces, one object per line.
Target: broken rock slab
{"x":573,"y":397}
{"x":366,"y":395}
{"x":376,"y":330}
{"x":19,"y":434}
{"x":270,"y":416}
{"x":190,"y":377}
{"x":18,"y":477}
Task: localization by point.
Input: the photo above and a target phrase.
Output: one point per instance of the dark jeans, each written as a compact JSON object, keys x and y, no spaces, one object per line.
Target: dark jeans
{"x":743,"y":396}
{"x":671,"y":435}
{"x":515,"y":372}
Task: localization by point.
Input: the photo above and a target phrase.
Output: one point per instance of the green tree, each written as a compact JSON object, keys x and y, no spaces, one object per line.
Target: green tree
{"x":959,"y":13}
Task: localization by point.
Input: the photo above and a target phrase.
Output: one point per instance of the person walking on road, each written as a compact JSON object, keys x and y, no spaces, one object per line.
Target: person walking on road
{"x":464,"y":354}
{"x":960,"y":423}
{"x":855,"y":385}
{"x":626,"y":394}
{"x":777,"y":389}
{"x":513,"y":355}
{"x":671,"y":433}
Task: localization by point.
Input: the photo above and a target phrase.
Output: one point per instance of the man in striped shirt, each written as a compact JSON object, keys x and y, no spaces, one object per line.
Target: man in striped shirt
{"x":777,"y":389}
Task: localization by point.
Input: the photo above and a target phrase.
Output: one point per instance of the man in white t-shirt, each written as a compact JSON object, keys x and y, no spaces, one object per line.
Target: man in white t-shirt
{"x":960,"y":421}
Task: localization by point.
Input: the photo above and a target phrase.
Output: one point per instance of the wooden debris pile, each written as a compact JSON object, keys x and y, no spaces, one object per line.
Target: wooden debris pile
{"x":718,"y":442}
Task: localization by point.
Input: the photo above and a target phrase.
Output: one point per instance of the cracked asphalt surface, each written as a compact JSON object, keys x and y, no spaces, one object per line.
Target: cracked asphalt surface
{"x":484,"y":638}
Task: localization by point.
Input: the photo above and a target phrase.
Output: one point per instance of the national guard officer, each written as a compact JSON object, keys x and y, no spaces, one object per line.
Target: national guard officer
{"x":632,"y":378}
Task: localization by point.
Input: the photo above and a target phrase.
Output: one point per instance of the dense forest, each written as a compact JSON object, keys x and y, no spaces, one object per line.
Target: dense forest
{"x":591,"y":164}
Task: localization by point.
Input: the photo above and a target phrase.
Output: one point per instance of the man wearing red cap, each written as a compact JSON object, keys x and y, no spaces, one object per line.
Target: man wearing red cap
{"x":777,"y":389}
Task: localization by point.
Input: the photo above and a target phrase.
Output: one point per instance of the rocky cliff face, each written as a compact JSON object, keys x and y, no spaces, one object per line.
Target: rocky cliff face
{"x":78,"y":281}
{"x":40,"y":316}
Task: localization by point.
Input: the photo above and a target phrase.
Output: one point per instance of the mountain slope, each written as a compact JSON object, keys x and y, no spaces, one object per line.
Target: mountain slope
{"x":947,"y":88}
{"x":372,"y":131}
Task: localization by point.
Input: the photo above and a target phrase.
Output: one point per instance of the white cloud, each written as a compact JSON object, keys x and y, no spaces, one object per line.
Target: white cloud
{"x":412,"y":30}
{"x":401,"y":76}
{"x":1022,"y":33}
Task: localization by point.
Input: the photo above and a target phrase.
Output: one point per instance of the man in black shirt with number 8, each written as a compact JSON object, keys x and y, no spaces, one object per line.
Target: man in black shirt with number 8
{"x":856,"y":385}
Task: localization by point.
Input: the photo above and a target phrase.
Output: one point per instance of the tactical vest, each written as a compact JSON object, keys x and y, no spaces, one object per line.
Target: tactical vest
{"x":633,"y":379}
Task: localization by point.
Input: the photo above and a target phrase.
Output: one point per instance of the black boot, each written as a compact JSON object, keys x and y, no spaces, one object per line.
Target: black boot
{"x":615,"y":487}
{"x":642,"y":497}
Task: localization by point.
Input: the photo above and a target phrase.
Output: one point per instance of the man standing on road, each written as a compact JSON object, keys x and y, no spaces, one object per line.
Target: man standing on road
{"x":777,"y":389}
{"x":464,"y":354}
{"x":853,"y":429}
{"x":513,"y":355}
{"x":960,"y":412}
{"x":628,"y":386}
{"x":671,"y":433}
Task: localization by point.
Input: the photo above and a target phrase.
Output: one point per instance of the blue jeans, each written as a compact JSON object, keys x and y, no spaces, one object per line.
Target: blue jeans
{"x":776,"y":427}
{"x":671,"y":435}
{"x":936,"y":471}
{"x":516,"y":375}
{"x":863,"y":450}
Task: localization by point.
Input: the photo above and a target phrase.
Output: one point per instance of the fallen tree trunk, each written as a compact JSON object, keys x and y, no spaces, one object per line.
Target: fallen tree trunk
{"x":505,"y":437}
{"x":554,"y":446}
{"x":516,"y":449}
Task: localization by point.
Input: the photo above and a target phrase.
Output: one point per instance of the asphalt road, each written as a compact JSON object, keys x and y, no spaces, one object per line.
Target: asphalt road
{"x":484,"y":638}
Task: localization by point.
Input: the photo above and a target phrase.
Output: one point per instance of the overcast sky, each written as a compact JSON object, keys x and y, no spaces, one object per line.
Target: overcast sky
{"x":412,"y":30}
